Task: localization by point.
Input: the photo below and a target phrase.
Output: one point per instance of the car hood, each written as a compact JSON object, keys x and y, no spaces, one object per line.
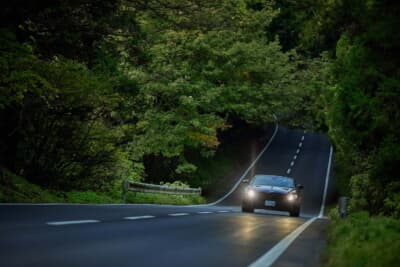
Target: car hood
{"x":272,"y":189}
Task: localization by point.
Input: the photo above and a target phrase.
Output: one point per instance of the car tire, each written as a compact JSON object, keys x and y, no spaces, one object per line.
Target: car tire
{"x":247,"y":208}
{"x":295,"y":212}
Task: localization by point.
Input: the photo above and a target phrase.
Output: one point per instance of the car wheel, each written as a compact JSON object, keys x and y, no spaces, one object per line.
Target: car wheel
{"x":295,"y":212}
{"x":247,"y":208}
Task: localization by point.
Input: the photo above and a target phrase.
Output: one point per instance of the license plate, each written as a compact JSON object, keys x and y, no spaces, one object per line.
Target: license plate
{"x":269,"y":203}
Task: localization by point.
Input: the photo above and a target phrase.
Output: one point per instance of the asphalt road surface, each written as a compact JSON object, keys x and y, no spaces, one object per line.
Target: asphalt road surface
{"x":157,"y":235}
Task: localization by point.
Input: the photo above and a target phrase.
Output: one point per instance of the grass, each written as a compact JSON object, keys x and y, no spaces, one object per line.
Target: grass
{"x":361,"y":240}
{"x":15,"y":189}
{"x":18,"y":190}
{"x":164,"y":199}
{"x":90,"y":197}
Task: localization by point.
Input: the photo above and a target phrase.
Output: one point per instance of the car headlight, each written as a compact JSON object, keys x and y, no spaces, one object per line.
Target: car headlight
{"x":291,"y":197}
{"x":250,"y":193}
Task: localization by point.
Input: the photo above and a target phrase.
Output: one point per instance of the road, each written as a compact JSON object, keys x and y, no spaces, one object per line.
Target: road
{"x":156,"y":235}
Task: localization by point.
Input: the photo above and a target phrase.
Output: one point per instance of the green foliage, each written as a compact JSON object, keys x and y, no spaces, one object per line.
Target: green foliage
{"x":200,"y":75}
{"x":230,"y":70}
{"x":289,"y":24}
{"x":142,"y":86}
{"x":147,"y":198}
{"x":89,"y":197}
{"x":392,"y":200}
{"x":79,"y":30}
{"x":55,"y":120}
{"x":214,"y":168}
{"x":140,"y":80}
{"x":185,"y":168}
{"x":362,"y":101}
{"x":15,"y":189}
{"x":176,"y":184}
{"x":361,"y":240}
{"x":366,"y":195}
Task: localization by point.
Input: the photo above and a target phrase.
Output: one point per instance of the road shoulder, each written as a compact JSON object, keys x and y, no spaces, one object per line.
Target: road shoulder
{"x":307,"y":249}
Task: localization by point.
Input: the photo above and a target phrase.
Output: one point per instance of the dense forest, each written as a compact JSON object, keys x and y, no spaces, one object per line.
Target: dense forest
{"x":92,"y":92}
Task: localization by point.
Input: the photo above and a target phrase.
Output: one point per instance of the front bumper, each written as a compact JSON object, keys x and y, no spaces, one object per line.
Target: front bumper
{"x":258,"y":201}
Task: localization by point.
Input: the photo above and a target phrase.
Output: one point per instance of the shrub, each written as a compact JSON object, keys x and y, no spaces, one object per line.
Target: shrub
{"x":361,"y":240}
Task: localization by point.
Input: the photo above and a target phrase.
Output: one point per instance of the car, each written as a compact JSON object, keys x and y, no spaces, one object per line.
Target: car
{"x":272,"y":192}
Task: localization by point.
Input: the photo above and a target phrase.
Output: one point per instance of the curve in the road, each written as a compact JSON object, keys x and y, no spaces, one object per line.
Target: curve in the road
{"x":155,"y":235}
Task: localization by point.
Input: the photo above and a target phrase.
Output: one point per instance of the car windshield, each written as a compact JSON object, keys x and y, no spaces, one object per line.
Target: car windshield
{"x":273,"y":181}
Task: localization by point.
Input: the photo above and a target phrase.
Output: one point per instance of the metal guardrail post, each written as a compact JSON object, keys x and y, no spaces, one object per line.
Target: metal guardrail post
{"x":343,"y":202}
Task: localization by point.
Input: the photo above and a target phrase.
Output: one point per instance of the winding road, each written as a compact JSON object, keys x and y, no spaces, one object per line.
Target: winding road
{"x":217,"y":234}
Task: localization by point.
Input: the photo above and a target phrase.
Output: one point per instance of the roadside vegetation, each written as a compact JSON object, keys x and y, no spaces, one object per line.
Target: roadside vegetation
{"x":94,"y":92}
{"x":143,"y":90}
{"x":357,"y":43}
{"x":362,"y":240}
{"x":15,"y":189}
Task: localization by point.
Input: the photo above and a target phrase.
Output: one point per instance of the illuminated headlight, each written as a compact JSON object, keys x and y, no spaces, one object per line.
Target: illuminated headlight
{"x":292,"y":197}
{"x":250,"y":193}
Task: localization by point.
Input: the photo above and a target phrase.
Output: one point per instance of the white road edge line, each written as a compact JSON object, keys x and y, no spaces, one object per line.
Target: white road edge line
{"x":57,"y":223}
{"x":178,"y":214}
{"x":139,"y":217}
{"x":328,"y":171}
{"x":247,"y":170}
{"x":273,"y":254}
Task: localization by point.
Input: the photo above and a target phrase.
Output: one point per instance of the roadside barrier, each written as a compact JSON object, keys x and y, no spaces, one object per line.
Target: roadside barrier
{"x":157,"y":189}
{"x":343,"y":203}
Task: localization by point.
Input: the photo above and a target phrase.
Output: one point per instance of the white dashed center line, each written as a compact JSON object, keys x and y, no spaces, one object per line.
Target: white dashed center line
{"x":72,"y":222}
{"x":133,"y":218}
{"x":178,"y":214}
{"x":139,"y":217}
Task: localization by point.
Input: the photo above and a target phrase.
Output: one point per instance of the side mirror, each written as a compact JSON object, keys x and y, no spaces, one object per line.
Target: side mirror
{"x":245,"y":181}
{"x":300,"y":186}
